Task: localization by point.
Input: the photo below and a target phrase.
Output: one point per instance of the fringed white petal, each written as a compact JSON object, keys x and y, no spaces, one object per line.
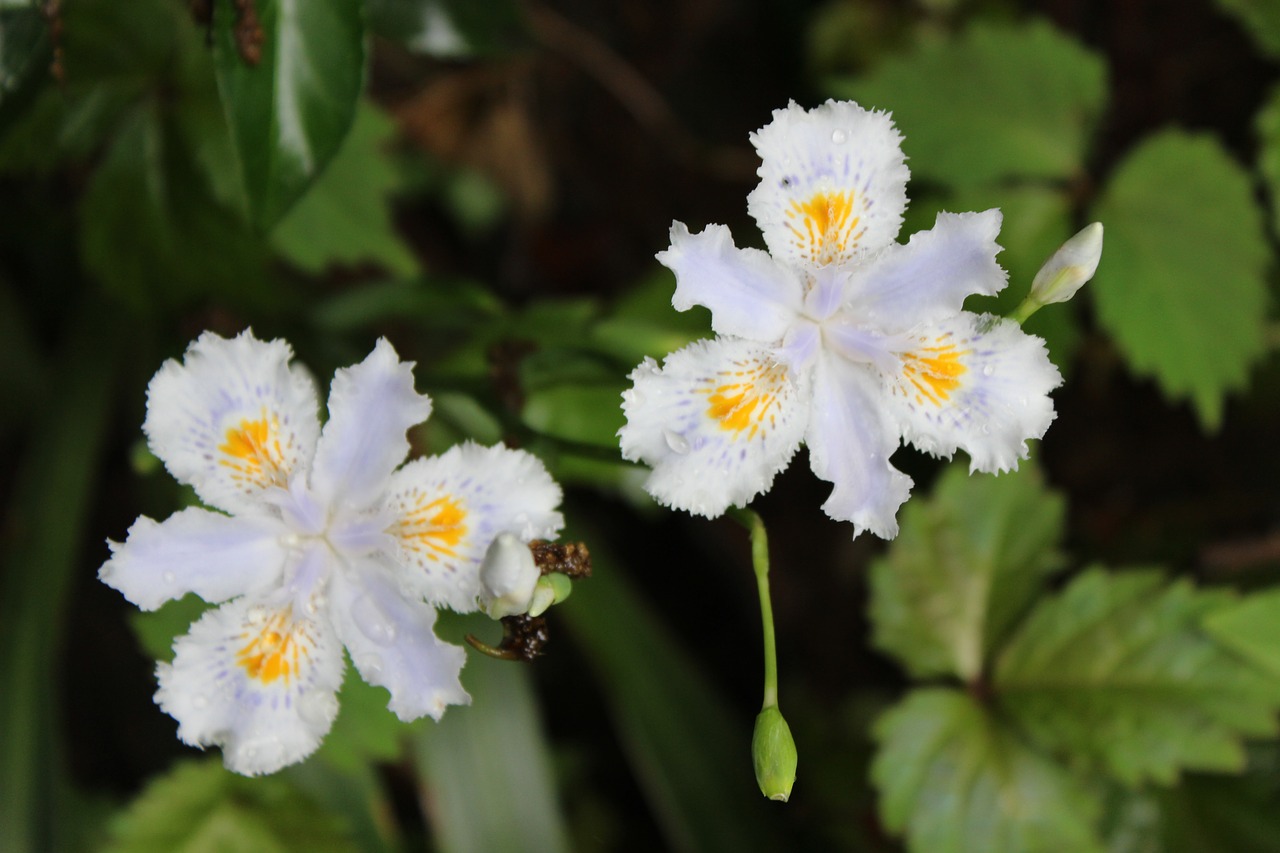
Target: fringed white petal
{"x":371,"y":406}
{"x":749,"y":293}
{"x":927,"y":279}
{"x":233,"y":419}
{"x":213,"y":555}
{"x":716,"y":422}
{"x":448,"y":509}
{"x":258,"y":681}
{"x":393,"y":644}
{"x":832,"y":183}
{"x":850,"y":441}
{"x":978,"y":383}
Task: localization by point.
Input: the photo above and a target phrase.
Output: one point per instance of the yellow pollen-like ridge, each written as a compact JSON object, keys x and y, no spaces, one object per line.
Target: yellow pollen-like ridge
{"x":437,"y":526}
{"x":745,"y":399}
{"x":825,"y":228}
{"x":254,"y":452}
{"x":274,"y":652}
{"x":935,"y":371}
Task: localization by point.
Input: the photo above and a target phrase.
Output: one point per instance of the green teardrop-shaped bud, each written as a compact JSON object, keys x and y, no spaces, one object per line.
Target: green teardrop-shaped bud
{"x":1070,"y":267}
{"x":773,"y":751}
{"x":550,"y":589}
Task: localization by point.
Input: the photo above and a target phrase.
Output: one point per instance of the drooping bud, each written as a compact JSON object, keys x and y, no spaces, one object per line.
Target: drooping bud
{"x":773,"y":752}
{"x":508,"y":577}
{"x":1069,"y":268}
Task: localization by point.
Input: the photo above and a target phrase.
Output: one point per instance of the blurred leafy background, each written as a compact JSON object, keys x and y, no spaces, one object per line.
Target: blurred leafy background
{"x":1081,"y":656}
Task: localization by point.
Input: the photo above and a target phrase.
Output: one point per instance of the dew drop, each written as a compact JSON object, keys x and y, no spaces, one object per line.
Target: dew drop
{"x":372,"y":622}
{"x":988,"y":369}
{"x":200,"y":701}
{"x":677,"y":442}
{"x":370,"y":665}
{"x":316,"y":708}
{"x":839,"y":137}
{"x":168,"y":577}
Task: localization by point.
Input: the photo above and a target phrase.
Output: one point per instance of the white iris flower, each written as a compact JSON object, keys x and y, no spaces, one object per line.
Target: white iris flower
{"x":837,"y":337}
{"x":319,"y":541}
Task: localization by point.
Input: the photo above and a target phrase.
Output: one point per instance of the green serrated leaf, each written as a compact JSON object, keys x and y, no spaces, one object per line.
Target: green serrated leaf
{"x":1181,"y":285}
{"x":953,"y":779}
{"x":966,"y":564}
{"x":290,"y":111}
{"x":1115,"y":671}
{"x":1261,"y":18}
{"x":201,"y":806}
{"x":344,"y":218}
{"x":1250,"y":627}
{"x":998,"y":102}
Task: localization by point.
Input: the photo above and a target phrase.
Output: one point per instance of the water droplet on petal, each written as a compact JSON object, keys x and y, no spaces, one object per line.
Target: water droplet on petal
{"x":677,"y":442}
{"x":988,"y":369}
{"x":316,"y":708}
{"x":168,"y":577}
{"x":370,"y":665}
{"x":200,"y":700}
{"x":372,"y":622}
{"x":839,"y":137}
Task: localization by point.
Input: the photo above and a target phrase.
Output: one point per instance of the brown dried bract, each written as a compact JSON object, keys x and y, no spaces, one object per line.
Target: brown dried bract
{"x":248,"y":32}
{"x":568,"y":558}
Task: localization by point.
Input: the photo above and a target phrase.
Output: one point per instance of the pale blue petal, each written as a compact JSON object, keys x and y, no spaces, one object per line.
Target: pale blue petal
{"x":716,"y":422}
{"x":393,"y":643}
{"x":213,"y":555}
{"x":259,"y":681}
{"x":371,"y":407}
{"x":832,"y":183}
{"x":927,"y":280}
{"x":850,"y":441}
{"x":234,"y":420}
{"x":749,"y":293}
{"x":980,"y":384}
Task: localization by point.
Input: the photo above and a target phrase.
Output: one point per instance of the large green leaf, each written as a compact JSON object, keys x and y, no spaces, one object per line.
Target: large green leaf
{"x":998,"y":102}
{"x":200,"y":806}
{"x":966,"y":564}
{"x":1251,"y":628}
{"x":1267,"y":127}
{"x":1181,"y":285}
{"x":1261,"y":18}
{"x":151,"y":230}
{"x":345,"y":217}
{"x":1116,"y":671}
{"x":487,"y":774}
{"x":290,"y":111}
{"x":954,"y":779}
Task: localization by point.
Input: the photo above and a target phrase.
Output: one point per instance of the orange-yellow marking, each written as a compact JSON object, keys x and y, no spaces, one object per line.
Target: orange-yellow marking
{"x":825,"y":230}
{"x":252,"y":450}
{"x":745,"y":399}
{"x":438,"y":526}
{"x":273,"y":653}
{"x":934,"y":371}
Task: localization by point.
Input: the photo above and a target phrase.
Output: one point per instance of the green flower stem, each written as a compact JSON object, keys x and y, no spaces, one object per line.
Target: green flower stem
{"x":1028,"y":307}
{"x":760,"y":560}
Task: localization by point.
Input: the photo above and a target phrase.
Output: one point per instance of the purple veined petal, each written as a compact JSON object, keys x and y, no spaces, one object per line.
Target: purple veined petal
{"x":259,"y":681}
{"x":213,"y":555}
{"x":446,"y":510}
{"x":749,"y":293}
{"x":850,"y":439}
{"x":233,"y":419}
{"x":716,"y":422}
{"x":927,"y":280}
{"x":832,"y":183}
{"x":371,"y":406}
{"x":976,"y":383}
{"x":393,"y":644}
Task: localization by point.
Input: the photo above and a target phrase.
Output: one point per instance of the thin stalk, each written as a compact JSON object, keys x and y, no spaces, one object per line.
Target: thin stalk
{"x":760,"y":561}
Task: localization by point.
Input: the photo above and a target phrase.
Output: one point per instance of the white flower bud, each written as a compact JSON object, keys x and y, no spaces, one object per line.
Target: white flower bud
{"x":508,"y":577}
{"x":1069,"y":268}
